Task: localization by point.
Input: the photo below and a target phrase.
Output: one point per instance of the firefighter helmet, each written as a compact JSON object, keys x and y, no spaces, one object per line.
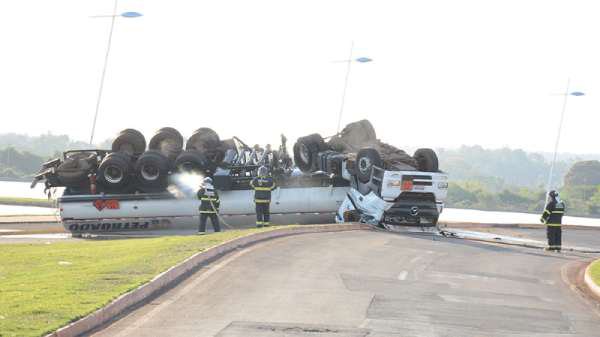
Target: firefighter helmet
{"x":207,"y":180}
{"x":553,"y":194}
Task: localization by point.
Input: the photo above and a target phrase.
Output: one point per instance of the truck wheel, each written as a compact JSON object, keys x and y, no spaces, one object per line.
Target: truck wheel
{"x":167,"y":141}
{"x":152,"y":170}
{"x":130,"y":141}
{"x":365,"y":160}
{"x":427,"y":160}
{"x":306,"y":150}
{"x":194,"y":161}
{"x":74,"y":170}
{"x":114,"y":171}
{"x":207,"y":141}
{"x":203,"y":139}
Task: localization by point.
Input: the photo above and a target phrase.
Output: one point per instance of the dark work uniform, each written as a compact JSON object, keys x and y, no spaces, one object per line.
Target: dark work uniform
{"x":209,"y":198}
{"x":262,"y":198}
{"x":552,"y":217}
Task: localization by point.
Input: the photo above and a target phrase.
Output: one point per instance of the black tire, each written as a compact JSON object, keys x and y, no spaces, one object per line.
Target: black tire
{"x":74,"y":171}
{"x":194,"y":161}
{"x":114,"y":171}
{"x":152,"y":170}
{"x":129,"y":141}
{"x":427,"y":160}
{"x":365,"y":160}
{"x":306,"y":150}
{"x":167,"y":141}
{"x":203,"y":139}
{"x":207,"y":141}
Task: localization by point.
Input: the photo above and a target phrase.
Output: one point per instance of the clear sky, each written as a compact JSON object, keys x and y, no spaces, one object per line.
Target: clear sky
{"x":445,"y":73}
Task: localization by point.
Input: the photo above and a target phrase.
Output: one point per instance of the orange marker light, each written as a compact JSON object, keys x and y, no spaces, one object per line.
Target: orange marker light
{"x":407,"y":185}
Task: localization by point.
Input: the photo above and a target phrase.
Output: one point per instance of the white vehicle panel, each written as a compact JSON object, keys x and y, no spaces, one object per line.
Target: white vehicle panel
{"x":239,"y":202}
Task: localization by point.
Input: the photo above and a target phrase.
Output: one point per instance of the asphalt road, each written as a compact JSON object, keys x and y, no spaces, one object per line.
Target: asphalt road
{"x":366,"y":283}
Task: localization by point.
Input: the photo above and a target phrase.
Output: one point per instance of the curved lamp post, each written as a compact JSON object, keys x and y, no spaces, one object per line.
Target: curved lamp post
{"x":113,"y":17}
{"x":349,"y":62}
{"x":566,"y":95}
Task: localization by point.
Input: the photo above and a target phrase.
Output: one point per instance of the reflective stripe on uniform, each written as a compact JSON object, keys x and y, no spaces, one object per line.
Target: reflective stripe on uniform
{"x":259,"y":222}
{"x":262,"y":201}
{"x":262,"y":188}
{"x":558,"y":212}
{"x":553,"y":224}
{"x":208,"y":199}
{"x":546,"y":211}
{"x":208,"y":212}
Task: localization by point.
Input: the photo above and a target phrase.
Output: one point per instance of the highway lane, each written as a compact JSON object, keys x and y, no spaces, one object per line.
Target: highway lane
{"x":367,"y":283}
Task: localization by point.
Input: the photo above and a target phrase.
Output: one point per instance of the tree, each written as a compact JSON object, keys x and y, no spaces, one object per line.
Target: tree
{"x":584,"y":173}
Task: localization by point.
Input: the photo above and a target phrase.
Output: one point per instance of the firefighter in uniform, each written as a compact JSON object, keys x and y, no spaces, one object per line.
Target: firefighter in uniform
{"x":552,"y":217}
{"x":209,"y":206}
{"x":263,"y":185}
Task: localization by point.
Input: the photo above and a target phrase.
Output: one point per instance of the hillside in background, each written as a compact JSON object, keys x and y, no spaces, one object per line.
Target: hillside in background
{"x":46,"y":145}
{"x":514,"y":180}
{"x":16,"y":165}
{"x":498,"y":168}
{"x":21,"y":156}
{"x":583,"y":173}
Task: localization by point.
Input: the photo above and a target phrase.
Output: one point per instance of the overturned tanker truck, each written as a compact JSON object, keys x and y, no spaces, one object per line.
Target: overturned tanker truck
{"x":351,"y":176}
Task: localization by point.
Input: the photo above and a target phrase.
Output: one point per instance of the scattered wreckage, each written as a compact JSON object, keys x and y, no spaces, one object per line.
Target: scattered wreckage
{"x":351,"y":176}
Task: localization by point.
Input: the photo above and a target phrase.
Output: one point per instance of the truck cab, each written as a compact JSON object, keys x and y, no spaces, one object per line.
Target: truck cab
{"x":393,"y":197}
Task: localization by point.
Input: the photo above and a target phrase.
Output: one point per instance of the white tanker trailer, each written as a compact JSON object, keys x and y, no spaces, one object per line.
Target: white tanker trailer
{"x":129,"y":189}
{"x":166,"y":211}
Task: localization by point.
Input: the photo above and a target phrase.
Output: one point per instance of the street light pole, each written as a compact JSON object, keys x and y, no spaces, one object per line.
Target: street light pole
{"x":345,"y":87}
{"x":560,"y":124}
{"x":562,"y":117}
{"x":100,"y":89}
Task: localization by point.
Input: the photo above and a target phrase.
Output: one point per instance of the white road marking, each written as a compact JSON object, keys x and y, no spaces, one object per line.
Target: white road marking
{"x":414,"y":259}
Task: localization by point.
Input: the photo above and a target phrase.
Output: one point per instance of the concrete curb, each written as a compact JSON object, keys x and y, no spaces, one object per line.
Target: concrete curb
{"x":587,"y":279}
{"x":54,"y":222}
{"x":507,"y":240}
{"x":178,"y":272}
{"x":453,"y":224}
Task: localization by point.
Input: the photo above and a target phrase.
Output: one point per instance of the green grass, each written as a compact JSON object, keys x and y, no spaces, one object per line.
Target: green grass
{"x":46,"y":286}
{"x":595,"y":271}
{"x":26,"y":201}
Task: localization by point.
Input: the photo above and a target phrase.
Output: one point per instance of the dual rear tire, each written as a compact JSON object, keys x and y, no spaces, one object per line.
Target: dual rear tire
{"x":114,"y":172}
{"x":306,"y":150}
{"x":129,"y":141}
{"x":152,"y":171}
{"x":427,"y":161}
{"x":168,"y":141}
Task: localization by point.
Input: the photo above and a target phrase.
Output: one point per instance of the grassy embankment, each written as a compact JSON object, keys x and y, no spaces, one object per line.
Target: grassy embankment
{"x":46,"y":286}
{"x":17,"y":201}
{"x":595,"y":271}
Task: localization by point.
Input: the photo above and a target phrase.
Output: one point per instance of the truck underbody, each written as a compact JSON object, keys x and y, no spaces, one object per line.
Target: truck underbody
{"x":351,"y":177}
